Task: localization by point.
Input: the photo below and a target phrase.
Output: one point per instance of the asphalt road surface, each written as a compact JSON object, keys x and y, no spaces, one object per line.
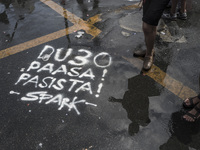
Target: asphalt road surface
{"x":69,"y":80}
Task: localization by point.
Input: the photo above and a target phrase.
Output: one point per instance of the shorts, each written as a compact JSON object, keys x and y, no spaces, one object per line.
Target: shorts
{"x":152,"y":11}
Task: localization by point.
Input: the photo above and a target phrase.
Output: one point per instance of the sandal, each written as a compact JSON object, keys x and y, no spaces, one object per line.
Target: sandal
{"x":195,"y":116}
{"x":192,"y":104}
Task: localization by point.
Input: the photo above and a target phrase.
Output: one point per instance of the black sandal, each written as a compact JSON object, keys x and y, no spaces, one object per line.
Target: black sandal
{"x":191,"y":105}
{"x":195,"y":117}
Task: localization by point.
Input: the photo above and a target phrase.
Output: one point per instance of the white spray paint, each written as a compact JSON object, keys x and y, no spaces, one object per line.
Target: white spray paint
{"x":88,"y":73}
{"x":90,"y":104}
{"x":58,"y":53}
{"x":76,"y":82}
{"x":101,"y":84}
{"x":80,"y":34}
{"x":39,"y":95}
{"x":13,"y":92}
{"x":40,"y":145}
{"x":34,"y":65}
{"x":46,"y":53}
{"x":48,"y":67}
{"x":103,"y":54}
{"x":81,"y":60}
{"x":99,"y":89}
{"x":22,"y":70}
{"x":85,"y":87}
{"x":24,"y":76}
{"x":104,"y":74}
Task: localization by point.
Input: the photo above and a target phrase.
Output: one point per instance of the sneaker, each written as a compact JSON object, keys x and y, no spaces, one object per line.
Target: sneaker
{"x":169,"y":16}
{"x":182,"y":16}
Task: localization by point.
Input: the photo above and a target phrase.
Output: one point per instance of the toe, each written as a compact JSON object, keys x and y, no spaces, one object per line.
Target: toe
{"x":187,"y":101}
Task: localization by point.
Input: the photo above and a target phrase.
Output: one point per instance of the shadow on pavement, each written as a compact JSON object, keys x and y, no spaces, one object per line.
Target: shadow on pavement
{"x":183,"y":134}
{"x":136,"y":101}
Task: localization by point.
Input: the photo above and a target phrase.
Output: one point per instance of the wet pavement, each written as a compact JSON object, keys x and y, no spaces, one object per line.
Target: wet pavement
{"x":69,"y":79}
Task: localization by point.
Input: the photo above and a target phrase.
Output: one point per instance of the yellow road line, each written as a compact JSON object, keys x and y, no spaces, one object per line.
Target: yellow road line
{"x":170,"y":83}
{"x":134,"y":6}
{"x":94,"y":19}
{"x":35,"y":42}
{"x":89,"y":28}
{"x":84,"y":25}
{"x":165,"y":80}
{"x":44,"y":39}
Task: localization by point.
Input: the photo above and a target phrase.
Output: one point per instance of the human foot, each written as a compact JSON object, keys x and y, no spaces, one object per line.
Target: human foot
{"x":148,"y":62}
{"x":170,"y":16}
{"x":182,"y":16}
{"x":193,"y":115}
{"x":191,"y":102}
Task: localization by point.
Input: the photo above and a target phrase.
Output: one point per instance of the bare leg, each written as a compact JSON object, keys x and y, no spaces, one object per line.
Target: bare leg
{"x":174,"y":5}
{"x":183,"y":6}
{"x":149,"y":35}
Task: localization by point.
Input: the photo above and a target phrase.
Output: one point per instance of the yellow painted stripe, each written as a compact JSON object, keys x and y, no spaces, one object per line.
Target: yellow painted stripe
{"x":134,"y":6}
{"x":44,"y":39}
{"x":84,"y":25}
{"x":90,"y":29}
{"x":94,"y":19}
{"x":165,"y":80}
{"x":170,"y":83}
{"x":63,"y":12}
{"x":32,"y":43}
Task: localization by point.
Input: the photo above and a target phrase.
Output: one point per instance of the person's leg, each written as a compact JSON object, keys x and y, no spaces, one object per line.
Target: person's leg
{"x":174,"y":5}
{"x":172,"y":15}
{"x":149,"y":35}
{"x":183,"y":6}
{"x":152,"y":12}
{"x":182,"y":12}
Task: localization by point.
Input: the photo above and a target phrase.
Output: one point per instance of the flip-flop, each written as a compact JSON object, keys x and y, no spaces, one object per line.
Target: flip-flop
{"x":195,"y":117}
{"x":191,"y":105}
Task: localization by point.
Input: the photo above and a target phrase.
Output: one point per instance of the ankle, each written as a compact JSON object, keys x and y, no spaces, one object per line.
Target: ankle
{"x":149,"y":54}
{"x":183,"y":11}
{"x":172,"y":12}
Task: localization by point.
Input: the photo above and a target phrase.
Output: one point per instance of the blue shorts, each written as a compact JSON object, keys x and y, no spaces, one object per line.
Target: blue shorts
{"x":152,"y":11}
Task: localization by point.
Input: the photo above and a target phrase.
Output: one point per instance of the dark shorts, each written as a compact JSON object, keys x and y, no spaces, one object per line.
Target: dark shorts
{"x":152,"y":11}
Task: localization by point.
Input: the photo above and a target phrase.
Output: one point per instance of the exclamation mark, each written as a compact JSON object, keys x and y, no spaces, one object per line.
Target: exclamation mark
{"x":104,"y":73}
{"x":101,"y":84}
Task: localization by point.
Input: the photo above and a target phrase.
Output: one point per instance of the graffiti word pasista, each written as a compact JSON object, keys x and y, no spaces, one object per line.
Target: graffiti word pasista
{"x":65,"y":71}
